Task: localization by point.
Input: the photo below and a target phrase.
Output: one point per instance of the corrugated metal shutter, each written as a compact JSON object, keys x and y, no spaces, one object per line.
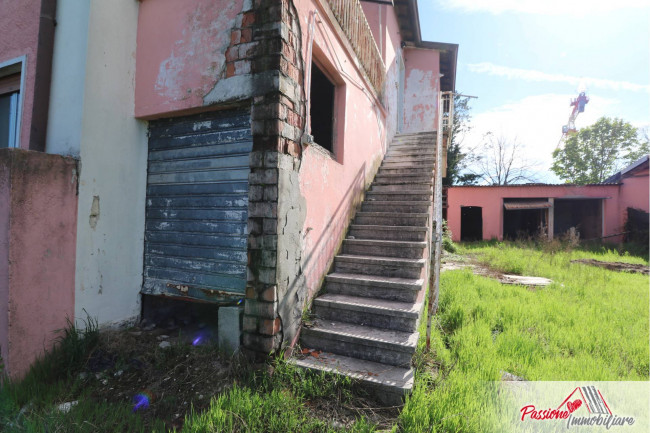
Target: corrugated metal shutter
{"x":197,"y":206}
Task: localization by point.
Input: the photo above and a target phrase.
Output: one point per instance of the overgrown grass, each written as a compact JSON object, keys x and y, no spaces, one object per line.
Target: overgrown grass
{"x":590,"y":324}
{"x":30,"y":405}
{"x":276,"y":402}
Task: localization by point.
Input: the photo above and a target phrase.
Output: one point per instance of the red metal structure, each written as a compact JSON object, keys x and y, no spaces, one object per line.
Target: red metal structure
{"x":578,"y":105}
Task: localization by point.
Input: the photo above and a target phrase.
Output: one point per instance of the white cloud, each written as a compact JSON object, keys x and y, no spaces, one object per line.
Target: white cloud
{"x":536,"y":122}
{"x":538,"y":76}
{"x":545,"y":7}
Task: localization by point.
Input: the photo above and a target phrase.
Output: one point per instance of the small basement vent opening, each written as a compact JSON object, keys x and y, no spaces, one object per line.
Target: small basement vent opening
{"x":322,"y":108}
{"x":471,"y":223}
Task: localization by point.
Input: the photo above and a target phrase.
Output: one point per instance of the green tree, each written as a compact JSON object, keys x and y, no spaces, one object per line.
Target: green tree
{"x":458,"y":158}
{"x":598,"y":151}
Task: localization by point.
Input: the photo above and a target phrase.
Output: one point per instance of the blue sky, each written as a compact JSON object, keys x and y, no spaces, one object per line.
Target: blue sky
{"x":525,"y":58}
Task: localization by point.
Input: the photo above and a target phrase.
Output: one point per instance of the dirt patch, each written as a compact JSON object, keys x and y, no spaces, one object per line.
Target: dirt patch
{"x":615,"y":266}
{"x":162,"y":372}
{"x":166,"y":373}
{"x":452,"y":262}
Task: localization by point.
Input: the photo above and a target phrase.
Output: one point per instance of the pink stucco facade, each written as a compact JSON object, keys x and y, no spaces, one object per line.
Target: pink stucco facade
{"x":615,"y":198}
{"x":38,"y":215}
{"x":634,"y":191}
{"x":177,"y":68}
{"x":332,"y":183}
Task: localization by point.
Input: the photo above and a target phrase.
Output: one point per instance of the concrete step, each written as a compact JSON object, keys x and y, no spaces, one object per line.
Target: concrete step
{"x":404,"y":186}
{"x":361,"y":342}
{"x":376,"y":287}
{"x":390,"y":178}
{"x":380,"y":313}
{"x":396,"y":206}
{"x":413,"y":165}
{"x":415,"y":171}
{"x":406,"y":150}
{"x":409,"y":158}
{"x":400,"y":139}
{"x":414,"y":195}
{"x":389,"y":383}
{"x":422,"y":143}
{"x":401,"y":249}
{"x":391,"y":219}
{"x":387,"y":233}
{"x":377,"y":265}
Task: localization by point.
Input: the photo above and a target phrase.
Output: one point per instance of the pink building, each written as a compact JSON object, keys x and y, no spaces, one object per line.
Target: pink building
{"x":595,"y":211}
{"x":229,"y":143}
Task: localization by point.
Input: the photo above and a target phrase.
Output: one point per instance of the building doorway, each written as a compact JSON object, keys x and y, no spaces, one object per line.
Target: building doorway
{"x":471,"y":223}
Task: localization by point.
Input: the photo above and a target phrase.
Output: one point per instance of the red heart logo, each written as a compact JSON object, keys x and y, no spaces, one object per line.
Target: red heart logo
{"x":573,"y":405}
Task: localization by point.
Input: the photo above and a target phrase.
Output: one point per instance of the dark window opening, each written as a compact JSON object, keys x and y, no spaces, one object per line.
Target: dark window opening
{"x":9,"y":96}
{"x":471,"y":223}
{"x":583,"y":214}
{"x":322,"y":108}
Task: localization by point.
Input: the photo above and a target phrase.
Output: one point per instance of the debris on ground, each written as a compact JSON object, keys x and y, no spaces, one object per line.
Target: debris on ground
{"x":505,"y":376}
{"x":65,"y":407}
{"x":524,"y":281}
{"x":453,"y":262}
{"x":615,"y":266}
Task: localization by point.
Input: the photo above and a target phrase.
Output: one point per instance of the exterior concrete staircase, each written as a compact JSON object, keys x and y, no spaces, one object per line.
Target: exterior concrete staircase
{"x":366,"y":319}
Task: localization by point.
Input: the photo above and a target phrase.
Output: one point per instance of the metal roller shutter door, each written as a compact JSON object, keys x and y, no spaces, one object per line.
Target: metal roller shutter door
{"x":197,"y":206}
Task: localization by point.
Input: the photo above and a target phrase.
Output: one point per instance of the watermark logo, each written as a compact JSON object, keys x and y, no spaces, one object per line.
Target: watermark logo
{"x":584,"y":406}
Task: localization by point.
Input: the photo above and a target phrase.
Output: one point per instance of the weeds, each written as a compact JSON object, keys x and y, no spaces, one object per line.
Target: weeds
{"x":590,"y":324}
{"x":447,"y":244}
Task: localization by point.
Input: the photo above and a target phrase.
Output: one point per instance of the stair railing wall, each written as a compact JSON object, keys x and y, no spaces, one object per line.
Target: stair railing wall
{"x":351,"y":18}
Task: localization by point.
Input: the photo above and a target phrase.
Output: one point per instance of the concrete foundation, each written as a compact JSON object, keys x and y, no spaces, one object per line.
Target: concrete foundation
{"x":230,"y":328}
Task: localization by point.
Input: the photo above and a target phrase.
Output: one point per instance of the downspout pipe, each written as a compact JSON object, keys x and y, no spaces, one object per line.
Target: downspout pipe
{"x":43,"y":75}
{"x":415,"y":21}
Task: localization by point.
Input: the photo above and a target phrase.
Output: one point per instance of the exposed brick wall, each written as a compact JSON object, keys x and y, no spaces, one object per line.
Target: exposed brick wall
{"x":268,"y":44}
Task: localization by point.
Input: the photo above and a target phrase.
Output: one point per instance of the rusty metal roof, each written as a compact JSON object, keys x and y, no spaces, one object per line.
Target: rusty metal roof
{"x":530,"y":204}
{"x":517,"y":185}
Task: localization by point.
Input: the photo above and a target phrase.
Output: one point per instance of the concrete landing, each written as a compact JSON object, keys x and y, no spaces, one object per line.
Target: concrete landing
{"x":390,"y":383}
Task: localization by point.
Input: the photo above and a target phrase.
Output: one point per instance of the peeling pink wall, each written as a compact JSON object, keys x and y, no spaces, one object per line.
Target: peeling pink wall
{"x":490,"y":199}
{"x":421,"y":89}
{"x":385,"y":29}
{"x":330,"y":184}
{"x":19,"y":24}
{"x":634,"y":191}
{"x":181,"y":52}
{"x":38,"y":217}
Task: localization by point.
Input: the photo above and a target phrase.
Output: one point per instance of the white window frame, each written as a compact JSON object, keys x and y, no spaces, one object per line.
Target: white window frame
{"x":14,"y":136}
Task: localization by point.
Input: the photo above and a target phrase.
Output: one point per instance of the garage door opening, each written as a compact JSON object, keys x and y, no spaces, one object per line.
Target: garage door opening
{"x":525,"y":218}
{"x":471,"y":223}
{"x":586,"y":215}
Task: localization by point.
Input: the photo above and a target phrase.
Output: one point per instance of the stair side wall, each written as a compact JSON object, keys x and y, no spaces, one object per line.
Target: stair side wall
{"x":38,"y":214}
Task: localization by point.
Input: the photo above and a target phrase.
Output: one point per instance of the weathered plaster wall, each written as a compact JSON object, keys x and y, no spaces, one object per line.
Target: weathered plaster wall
{"x":5,"y":212}
{"x":490,"y":199}
{"x":19,"y":23}
{"x":393,"y":52}
{"x":332,"y":184}
{"x":182,"y":52}
{"x":68,"y":78}
{"x":421,"y":89}
{"x":37,"y":232}
{"x":385,"y":29}
{"x":110,"y":229}
{"x":634,"y":191}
